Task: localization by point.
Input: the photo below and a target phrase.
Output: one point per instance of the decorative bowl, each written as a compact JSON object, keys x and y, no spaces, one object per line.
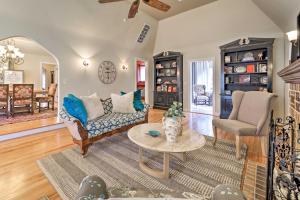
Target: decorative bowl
{"x":153,"y":133}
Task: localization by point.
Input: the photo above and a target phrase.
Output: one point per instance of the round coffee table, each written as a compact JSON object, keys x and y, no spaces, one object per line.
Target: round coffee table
{"x":189,"y":141}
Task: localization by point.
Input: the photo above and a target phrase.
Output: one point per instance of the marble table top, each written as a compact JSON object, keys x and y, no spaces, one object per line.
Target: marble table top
{"x":189,"y":141}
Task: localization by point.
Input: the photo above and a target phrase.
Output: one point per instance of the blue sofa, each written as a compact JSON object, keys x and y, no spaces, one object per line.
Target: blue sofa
{"x":108,"y":124}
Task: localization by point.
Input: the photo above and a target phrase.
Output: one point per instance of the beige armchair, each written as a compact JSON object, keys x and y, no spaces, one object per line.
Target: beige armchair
{"x":249,"y":117}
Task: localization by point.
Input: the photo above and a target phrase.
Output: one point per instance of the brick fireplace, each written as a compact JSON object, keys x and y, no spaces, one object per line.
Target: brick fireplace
{"x":294,"y":101}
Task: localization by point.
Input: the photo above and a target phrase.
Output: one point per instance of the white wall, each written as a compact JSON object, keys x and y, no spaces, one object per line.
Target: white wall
{"x":76,"y":29}
{"x":198,"y":33}
{"x":32,"y":68}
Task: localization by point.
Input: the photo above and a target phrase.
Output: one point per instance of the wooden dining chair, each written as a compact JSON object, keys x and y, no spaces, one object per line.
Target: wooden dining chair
{"x":22,"y":98}
{"x":4,"y":99}
{"x":49,"y":98}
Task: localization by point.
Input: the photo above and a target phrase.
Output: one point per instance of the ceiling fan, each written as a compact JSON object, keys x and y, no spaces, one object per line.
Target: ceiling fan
{"x":135,"y":5}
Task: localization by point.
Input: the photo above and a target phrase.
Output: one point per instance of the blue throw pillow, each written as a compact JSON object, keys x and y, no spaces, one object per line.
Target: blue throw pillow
{"x":137,"y":100}
{"x":75,"y":107}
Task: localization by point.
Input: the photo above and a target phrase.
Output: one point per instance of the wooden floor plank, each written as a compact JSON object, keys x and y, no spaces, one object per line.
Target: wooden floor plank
{"x":21,"y":178}
{"x":24,"y":126}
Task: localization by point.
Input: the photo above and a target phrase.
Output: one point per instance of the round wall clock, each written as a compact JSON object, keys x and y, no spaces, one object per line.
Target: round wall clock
{"x":107,"y":72}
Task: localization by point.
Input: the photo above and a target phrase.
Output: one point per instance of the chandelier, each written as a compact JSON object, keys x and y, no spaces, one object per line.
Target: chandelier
{"x":10,"y":54}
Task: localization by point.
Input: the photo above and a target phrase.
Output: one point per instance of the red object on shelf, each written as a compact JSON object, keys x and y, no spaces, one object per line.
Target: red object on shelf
{"x":250,"y":68}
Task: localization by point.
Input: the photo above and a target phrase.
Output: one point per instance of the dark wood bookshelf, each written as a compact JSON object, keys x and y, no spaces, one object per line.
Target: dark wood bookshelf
{"x":168,"y":78}
{"x":245,"y":66}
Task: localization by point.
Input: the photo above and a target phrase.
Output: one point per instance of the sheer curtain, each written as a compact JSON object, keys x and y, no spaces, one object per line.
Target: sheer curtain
{"x":202,"y":73}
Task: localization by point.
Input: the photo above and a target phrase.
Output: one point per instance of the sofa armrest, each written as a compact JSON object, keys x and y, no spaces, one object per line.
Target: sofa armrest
{"x":73,"y":124}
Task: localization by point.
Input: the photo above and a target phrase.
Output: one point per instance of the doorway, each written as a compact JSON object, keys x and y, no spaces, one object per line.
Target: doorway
{"x":140,"y":83}
{"x":202,"y":83}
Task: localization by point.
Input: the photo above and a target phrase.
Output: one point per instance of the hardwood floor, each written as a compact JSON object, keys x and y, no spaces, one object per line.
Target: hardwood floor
{"x":24,"y":126}
{"x":21,"y":178}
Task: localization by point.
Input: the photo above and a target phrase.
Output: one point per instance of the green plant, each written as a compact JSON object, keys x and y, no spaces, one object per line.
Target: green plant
{"x":175,"y":110}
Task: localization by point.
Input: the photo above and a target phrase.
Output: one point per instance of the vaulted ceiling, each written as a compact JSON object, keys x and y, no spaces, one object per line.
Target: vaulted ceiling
{"x":282,"y":12}
{"x":177,"y":6}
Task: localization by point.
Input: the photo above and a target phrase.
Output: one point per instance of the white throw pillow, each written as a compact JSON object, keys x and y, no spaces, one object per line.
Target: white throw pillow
{"x":123,"y":103}
{"x":93,"y":106}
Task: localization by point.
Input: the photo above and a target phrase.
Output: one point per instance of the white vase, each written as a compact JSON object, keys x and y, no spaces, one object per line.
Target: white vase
{"x":172,"y":127}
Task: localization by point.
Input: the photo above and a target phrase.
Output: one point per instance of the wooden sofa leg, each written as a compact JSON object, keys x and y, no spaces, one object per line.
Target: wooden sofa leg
{"x":238,"y":147}
{"x":215,"y":131}
{"x":264,"y":145}
{"x":84,"y":149}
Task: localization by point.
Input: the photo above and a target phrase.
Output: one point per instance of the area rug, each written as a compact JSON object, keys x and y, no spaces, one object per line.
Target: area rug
{"x":115,"y":160}
{"x":24,"y":117}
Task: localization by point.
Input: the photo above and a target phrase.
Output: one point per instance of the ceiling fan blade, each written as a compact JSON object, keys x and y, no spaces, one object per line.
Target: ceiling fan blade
{"x":157,"y":4}
{"x":134,"y":9}
{"x":108,"y":1}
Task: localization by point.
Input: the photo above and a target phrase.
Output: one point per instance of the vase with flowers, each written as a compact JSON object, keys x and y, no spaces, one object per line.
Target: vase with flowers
{"x":172,"y":122}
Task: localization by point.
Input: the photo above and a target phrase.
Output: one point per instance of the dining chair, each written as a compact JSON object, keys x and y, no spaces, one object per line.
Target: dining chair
{"x":249,"y":117}
{"x":22,"y":98}
{"x":4,"y":99}
{"x":49,"y":98}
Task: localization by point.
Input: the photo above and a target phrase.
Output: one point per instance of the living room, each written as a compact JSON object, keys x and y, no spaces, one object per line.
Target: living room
{"x":99,"y":48}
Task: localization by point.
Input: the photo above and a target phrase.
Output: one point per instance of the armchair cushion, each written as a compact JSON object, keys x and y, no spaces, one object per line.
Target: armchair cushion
{"x":235,"y":127}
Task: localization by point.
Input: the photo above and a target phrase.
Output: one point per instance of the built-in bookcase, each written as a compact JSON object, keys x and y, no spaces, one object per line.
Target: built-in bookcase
{"x":246,"y":65}
{"x":167,"y":79}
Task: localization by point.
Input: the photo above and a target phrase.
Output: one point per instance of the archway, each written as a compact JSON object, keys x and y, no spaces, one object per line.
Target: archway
{"x":25,"y":61}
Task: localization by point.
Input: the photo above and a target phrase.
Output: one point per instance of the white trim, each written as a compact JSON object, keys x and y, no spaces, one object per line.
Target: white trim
{"x":31,"y":132}
{"x":147,"y":95}
{"x":214,"y":83}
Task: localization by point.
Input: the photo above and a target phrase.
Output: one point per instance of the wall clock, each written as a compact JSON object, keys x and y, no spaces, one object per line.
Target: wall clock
{"x":107,"y":72}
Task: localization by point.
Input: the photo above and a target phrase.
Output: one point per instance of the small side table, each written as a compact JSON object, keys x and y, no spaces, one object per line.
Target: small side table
{"x":227,"y":192}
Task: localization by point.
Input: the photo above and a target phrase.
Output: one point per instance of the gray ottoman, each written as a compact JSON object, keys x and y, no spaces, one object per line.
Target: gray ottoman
{"x":227,"y":192}
{"x":92,"y":187}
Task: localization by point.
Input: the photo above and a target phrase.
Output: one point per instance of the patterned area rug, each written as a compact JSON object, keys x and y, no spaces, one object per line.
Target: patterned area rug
{"x":115,"y":159}
{"x":24,"y":117}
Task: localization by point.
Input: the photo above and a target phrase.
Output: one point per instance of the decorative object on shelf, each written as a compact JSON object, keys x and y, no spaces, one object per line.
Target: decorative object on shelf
{"x":158,"y":88}
{"x":228,"y":70}
{"x":10,"y":54}
{"x":174,"y":64}
{"x":227,"y":59}
{"x":255,"y":79}
{"x":264,"y":79}
{"x":172,"y":122}
{"x":244,"y":41}
{"x":227,"y":92}
{"x":107,"y":72}
{"x":260,"y":55}
{"x":159,"y":66}
{"x":170,"y":89}
{"x":244,"y":79}
{"x":158,"y":81}
{"x":174,"y":90}
{"x":168,"y":65}
{"x":174,"y":81}
{"x":173,"y":72}
{"x":250,"y":68}
{"x":167,"y":72}
{"x":262,"y":68}
{"x":240,"y":69}
{"x":248,"y":57}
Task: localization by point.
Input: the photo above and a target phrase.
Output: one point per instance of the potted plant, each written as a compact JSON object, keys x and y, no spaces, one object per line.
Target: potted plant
{"x":172,"y":122}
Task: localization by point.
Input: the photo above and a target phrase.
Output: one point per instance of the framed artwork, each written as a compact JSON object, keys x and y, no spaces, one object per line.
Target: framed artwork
{"x":262,"y":68}
{"x":13,"y":77}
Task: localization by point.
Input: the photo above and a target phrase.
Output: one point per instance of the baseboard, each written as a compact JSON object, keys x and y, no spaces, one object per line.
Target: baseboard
{"x":31,"y":132}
